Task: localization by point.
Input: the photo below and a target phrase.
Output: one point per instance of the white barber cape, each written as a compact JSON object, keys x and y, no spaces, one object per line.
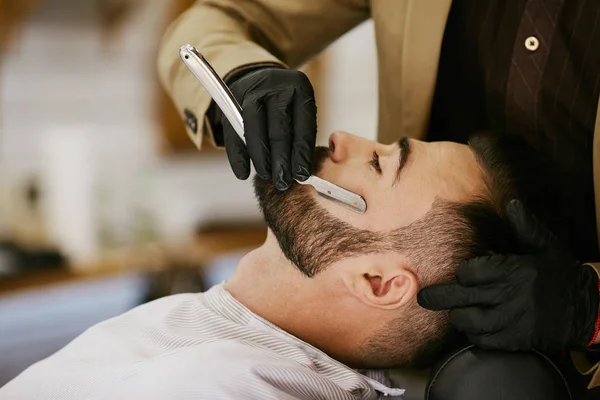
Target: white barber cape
{"x":193,"y":346}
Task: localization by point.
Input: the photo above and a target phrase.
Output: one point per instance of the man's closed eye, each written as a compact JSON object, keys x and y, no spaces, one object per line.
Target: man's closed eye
{"x":375,"y":162}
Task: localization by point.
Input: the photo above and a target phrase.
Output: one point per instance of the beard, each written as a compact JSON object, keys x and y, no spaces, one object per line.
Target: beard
{"x":309,"y":236}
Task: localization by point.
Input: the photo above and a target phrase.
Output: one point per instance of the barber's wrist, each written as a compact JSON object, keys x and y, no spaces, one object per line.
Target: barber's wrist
{"x":244,"y":70}
{"x":214,"y":114}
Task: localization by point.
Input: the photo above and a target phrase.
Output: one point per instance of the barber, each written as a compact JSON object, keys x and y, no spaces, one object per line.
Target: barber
{"x":527,"y":66}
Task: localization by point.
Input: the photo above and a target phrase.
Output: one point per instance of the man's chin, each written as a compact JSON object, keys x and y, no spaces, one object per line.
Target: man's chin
{"x":271,"y":199}
{"x":294,"y":217}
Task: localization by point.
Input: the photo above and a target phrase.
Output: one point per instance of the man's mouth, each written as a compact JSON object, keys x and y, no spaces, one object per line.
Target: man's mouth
{"x":320,"y":155}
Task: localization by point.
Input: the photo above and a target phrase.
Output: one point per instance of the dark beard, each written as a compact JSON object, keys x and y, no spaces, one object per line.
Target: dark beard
{"x":307,"y":234}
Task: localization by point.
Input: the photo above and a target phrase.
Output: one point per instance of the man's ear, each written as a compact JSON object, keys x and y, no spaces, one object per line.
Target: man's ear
{"x":382,"y":280}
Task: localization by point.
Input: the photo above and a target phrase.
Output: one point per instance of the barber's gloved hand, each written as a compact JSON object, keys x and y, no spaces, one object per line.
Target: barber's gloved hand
{"x":544,"y":299}
{"x":280,"y":124}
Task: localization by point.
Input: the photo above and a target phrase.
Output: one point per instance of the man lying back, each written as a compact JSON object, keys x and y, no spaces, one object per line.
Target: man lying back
{"x":329,"y":297}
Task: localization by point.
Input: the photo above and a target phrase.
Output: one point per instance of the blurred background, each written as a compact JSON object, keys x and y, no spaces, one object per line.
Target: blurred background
{"x":104,"y":201}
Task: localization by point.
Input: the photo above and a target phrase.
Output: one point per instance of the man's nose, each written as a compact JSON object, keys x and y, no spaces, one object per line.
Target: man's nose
{"x":344,"y":145}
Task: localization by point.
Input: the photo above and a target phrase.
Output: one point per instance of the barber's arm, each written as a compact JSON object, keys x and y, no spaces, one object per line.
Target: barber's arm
{"x":252,"y":43}
{"x":544,"y":299}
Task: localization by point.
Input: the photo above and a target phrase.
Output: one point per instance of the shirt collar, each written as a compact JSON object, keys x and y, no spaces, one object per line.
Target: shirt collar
{"x":223,"y":303}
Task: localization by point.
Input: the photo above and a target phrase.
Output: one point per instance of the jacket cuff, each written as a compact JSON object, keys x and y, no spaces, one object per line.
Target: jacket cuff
{"x":190,"y":99}
{"x":579,"y":358}
{"x":596,"y":268}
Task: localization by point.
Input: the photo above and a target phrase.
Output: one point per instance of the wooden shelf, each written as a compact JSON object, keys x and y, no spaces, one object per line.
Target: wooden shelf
{"x":197,"y":253}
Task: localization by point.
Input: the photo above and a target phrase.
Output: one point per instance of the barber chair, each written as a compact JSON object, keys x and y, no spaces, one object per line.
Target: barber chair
{"x":472,"y":373}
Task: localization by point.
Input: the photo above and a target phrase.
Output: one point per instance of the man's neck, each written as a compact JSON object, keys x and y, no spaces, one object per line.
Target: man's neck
{"x":259,"y":281}
{"x":270,"y":286}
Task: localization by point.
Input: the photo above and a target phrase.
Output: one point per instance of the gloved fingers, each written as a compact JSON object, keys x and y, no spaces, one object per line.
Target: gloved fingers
{"x":514,"y":332}
{"x":452,"y":295}
{"x":528,"y":229}
{"x":483,"y":270}
{"x":484,"y":341}
{"x":257,"y":136}
{"x":478,"y":320}
{"x":305,"y":134}
{"x":497,"y":341}
{"x":280,"y":123}
{"x":235,"y":148}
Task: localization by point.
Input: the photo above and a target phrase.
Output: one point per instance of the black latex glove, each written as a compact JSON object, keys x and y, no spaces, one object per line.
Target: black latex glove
{"x":544,"y":299}
{"x":280,"y":124}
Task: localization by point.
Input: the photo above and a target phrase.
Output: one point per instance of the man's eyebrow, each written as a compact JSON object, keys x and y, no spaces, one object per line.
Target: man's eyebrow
{"x":404,"y":146}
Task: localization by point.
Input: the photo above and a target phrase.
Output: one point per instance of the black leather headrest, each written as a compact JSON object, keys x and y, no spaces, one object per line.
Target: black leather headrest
{"x":472,"y":373}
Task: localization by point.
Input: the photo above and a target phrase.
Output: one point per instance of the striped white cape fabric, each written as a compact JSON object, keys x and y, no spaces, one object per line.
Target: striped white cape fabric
{"x":193,"y":346}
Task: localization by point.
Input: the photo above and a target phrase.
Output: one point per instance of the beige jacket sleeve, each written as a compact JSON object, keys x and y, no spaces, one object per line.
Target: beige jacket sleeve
{"x":234,"y":33}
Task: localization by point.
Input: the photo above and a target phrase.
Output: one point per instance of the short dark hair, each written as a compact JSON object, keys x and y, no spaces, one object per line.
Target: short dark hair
{"x":510,"y":169}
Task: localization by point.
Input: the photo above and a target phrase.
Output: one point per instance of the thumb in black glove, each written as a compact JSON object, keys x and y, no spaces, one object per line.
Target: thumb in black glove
{"x":280,"y":124}
{"x":544,"y":299}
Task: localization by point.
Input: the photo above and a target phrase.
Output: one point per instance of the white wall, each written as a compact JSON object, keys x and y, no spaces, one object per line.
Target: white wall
{"x":64,"y":78}
{"x":351,"y":85}
{"x":65,"y":75}
{"x":63,"y":72}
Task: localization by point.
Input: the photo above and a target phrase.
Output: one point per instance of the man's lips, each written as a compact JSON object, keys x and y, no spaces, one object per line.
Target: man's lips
{"x":320,"y":155}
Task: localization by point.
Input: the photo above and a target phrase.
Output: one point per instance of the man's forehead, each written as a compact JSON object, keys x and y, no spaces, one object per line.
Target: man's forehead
{"x":460,"y":173}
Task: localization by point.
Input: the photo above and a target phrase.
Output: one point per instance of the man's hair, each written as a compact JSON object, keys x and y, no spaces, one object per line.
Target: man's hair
{"x":510,"y":170}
